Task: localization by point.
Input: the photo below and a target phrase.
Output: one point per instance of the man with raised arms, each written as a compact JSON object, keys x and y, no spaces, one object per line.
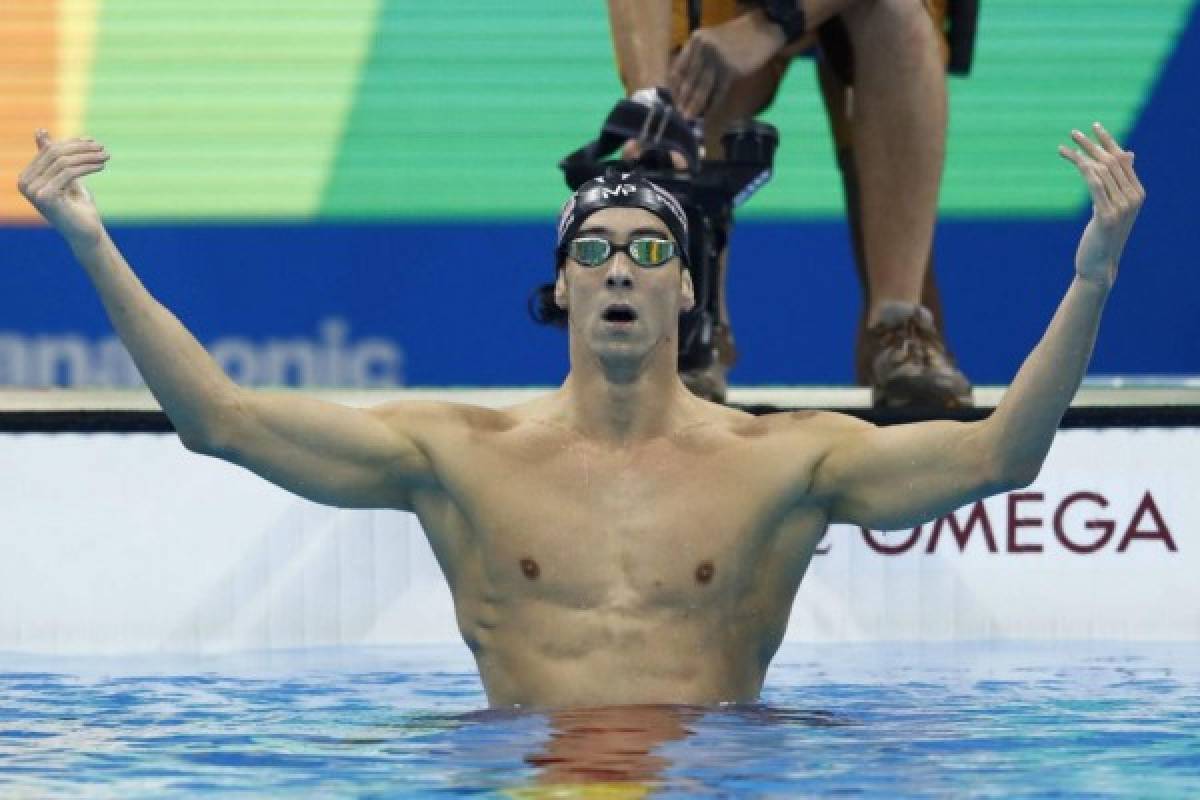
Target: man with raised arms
{"x":619,"y":540}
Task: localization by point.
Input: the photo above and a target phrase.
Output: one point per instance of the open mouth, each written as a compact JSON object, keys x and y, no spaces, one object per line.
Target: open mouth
{"x":620,"y":314}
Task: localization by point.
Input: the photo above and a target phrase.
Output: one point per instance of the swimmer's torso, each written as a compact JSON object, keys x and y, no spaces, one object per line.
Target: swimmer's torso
{"x":592,"y":574}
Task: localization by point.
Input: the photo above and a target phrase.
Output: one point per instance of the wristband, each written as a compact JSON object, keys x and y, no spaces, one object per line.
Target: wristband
{"x":788,"y":15}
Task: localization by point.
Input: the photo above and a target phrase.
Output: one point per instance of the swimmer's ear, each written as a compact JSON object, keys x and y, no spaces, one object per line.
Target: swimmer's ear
{"x":687,"y":290}
{"x":560,"y":289}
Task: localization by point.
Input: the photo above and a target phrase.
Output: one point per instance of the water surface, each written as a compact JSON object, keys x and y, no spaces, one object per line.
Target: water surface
{"x":880,"y":720}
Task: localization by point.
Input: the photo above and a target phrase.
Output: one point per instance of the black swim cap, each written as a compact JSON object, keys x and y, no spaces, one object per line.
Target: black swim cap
{"x":621,"y":190}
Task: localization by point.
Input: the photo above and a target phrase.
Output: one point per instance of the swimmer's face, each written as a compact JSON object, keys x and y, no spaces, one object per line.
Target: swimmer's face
{"x":621,"y":308}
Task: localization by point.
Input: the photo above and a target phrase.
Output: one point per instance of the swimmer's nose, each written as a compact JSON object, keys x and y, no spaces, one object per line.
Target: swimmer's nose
{"x":619,"y":276}
{"x":619,"y":281}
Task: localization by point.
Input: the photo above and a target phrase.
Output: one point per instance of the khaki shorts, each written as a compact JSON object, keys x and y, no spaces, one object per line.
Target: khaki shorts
{"x":762,"y":86}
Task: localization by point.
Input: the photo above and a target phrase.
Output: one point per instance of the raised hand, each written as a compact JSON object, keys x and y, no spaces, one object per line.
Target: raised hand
{"x":1117,"y":196}
{"x":52,"y":184}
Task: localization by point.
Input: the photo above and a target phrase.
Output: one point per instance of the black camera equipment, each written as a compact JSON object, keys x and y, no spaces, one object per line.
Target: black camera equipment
{"x":708,"y":191}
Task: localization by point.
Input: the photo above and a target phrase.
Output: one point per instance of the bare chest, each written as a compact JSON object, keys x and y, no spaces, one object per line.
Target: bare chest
{"x":654,"y":527}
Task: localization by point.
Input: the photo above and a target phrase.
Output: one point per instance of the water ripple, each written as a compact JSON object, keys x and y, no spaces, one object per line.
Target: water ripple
{"x":857,"y":720}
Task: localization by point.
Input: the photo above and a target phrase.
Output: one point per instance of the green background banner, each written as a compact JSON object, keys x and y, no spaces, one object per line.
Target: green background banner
{"x":336,"y":109}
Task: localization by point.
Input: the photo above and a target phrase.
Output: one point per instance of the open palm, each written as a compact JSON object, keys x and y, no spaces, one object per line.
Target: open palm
{"x":1117,"y":196}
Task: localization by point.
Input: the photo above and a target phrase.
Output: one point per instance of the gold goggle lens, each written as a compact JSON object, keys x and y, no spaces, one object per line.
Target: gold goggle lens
{"x":645,"y":251}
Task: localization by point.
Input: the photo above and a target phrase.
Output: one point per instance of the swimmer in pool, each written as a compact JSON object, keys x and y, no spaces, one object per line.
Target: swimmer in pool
{"x":618,"y":540}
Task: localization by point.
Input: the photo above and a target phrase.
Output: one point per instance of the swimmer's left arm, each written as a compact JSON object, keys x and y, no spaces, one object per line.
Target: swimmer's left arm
{"x":889,"y":478}
{"x":1024,"y":423}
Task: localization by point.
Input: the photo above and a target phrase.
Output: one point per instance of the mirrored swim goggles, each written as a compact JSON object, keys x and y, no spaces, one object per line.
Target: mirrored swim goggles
{"x":645,"y":251}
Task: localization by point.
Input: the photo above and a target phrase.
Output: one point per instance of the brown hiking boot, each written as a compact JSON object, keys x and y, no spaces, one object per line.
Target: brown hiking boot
{"x":908,"y":363}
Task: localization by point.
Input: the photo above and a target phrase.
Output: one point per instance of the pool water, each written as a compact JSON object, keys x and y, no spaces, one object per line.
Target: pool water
{"x":878,"y":720}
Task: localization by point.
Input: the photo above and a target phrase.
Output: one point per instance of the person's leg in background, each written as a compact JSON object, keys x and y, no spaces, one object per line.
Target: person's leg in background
{"x":746,"y":99}
{"x":895,"y":123}
{"x":882,"y":76}
{"x":836,"y":95}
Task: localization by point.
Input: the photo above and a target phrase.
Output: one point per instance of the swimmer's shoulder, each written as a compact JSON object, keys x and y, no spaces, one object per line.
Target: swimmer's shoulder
{"x":789,"y":424}
{"x":784,"y":437}
{"x":815,"y":421}
{"x":816,"y":429}
{"x":718,"y":426}
{"x":434,"y":419}
{"x":538,"y":416}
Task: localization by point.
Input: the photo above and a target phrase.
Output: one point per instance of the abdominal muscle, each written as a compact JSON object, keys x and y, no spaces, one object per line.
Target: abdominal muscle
{"x":534,"y":654}
{"x":691,"y":620}
{"x":586,"y":575}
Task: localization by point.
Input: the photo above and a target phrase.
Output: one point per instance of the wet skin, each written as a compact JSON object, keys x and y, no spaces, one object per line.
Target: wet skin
{"x":586,"y":573}
{"x":617,"y":541}
{"x":620,"y":541}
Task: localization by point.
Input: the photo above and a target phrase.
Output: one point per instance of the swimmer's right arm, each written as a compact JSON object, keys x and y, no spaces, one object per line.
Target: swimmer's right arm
{"x":328,"y":453}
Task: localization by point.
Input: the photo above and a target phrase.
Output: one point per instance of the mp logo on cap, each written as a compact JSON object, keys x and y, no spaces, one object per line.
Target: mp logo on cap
{"x":619,"y":190}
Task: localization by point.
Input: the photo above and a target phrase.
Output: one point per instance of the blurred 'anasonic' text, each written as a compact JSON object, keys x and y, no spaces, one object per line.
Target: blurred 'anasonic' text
{"x":330,"y":359}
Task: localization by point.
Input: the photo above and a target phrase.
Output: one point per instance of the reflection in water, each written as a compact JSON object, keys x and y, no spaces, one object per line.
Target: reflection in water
{"x":945,"y":721}
{"x":606,"y":752}
{"x":617,"y":751}
{"x":610,"y":744}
